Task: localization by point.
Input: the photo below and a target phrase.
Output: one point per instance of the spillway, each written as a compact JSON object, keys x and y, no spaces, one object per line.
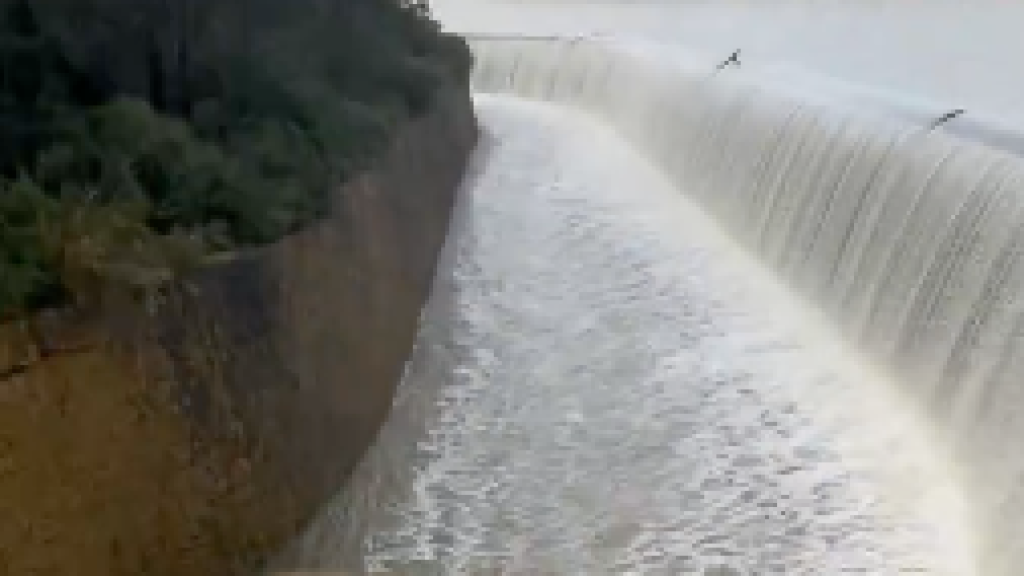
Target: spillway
{"x":605,"y":383}
{"x":906,"y":241}
{"x":700,"y":321}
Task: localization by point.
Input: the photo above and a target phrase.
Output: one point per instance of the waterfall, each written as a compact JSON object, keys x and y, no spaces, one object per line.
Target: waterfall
{"x":908,"y":240}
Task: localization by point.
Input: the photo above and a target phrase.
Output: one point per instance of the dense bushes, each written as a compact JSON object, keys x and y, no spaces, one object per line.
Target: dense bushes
{"x":136,"y":135}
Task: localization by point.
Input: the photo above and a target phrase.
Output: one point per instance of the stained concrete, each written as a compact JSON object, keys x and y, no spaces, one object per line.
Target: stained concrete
{"x":196,"y":432}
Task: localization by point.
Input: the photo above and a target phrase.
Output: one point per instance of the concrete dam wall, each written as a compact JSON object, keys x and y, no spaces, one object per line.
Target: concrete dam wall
{"x":197,"y":433}
{"x":908,"y":241}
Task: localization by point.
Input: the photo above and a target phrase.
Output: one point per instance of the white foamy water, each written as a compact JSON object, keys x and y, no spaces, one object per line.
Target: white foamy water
{"x":604,"y":384}
{"x":907,"y":241}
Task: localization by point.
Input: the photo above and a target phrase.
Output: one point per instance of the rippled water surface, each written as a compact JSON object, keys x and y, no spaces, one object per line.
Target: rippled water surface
{"x":597,"y":390}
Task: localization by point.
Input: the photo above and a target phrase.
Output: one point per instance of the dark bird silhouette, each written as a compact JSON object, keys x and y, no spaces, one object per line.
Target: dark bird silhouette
{"x":947,"y":117}
{"x":732,"y":59}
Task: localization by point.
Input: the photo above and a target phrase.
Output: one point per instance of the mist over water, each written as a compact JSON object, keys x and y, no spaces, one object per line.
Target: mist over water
{"x":604,"y":384}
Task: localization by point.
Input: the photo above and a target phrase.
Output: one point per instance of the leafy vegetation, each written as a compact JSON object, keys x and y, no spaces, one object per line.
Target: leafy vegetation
{"x":136,"y":135}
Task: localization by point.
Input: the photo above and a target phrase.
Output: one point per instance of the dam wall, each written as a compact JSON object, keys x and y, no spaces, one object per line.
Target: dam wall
{"x":197,"y":430}
{"x":909,"y":241}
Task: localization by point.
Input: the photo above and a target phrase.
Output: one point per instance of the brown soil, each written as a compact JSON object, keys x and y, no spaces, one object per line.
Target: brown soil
{"x":97,"y":477}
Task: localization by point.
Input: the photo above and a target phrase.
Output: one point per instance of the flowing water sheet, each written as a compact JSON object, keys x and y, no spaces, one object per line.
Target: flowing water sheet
{"x":604,"y":385}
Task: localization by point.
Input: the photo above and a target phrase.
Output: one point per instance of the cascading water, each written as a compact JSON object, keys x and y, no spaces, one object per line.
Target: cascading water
{"x":959,"y":53}
{"x":907,"y":240}
{"x":604,"y":384}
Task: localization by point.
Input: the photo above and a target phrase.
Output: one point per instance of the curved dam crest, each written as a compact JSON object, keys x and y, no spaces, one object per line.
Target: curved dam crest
{"x":907,"y":241}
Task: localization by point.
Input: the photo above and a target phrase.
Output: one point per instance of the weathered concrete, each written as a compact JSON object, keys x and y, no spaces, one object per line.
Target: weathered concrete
{"x":279,"y":365}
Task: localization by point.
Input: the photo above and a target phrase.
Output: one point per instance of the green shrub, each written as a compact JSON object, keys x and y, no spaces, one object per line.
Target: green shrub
{"x":135,"y":136}
{"x":29,"y":277}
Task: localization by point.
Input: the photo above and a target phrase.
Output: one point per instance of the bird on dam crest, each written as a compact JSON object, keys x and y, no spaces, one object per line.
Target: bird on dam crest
{"x":733,"y":59}
{"x":946,"y":118}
